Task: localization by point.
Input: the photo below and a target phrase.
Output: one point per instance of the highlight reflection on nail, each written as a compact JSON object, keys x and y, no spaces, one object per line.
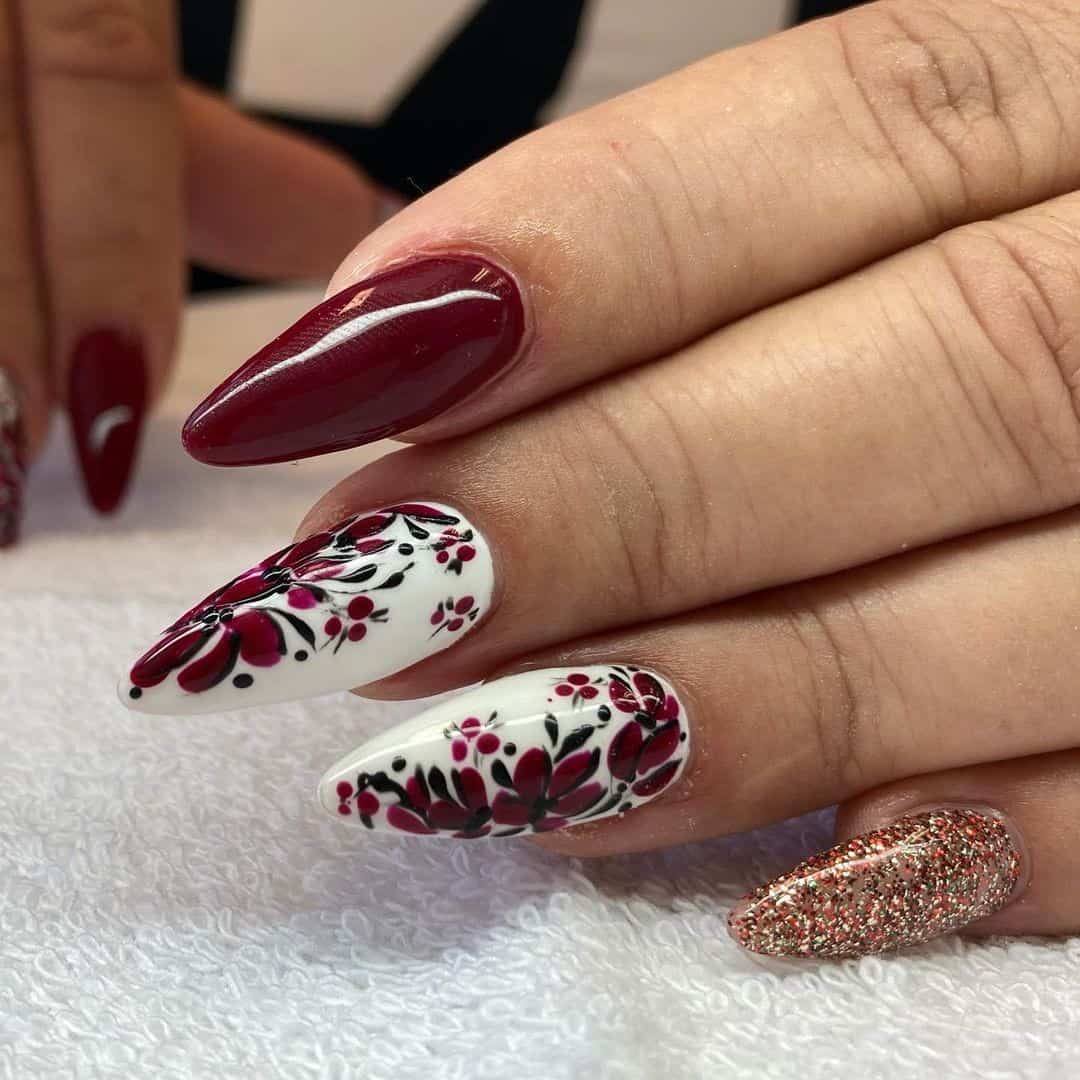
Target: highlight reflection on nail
{"x":528,"y":753}
{"x":923,"y":876}
{"x":370,"y":597}
{"x":11,"y":461}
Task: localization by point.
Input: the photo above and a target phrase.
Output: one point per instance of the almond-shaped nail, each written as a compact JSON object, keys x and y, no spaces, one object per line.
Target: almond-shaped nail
{"x":524,"y":754}
{"x":925,"y":875}
{"x":12,"y":461}
{"x":106,"y":402}
{"x":372,"y":596}
{"x":377,"y":359}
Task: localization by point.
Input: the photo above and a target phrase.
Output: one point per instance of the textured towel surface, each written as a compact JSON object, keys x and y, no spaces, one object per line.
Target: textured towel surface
{"x":174,"y":904}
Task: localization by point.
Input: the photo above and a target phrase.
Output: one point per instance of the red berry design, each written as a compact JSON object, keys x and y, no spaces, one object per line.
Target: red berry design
{"x":464,"y":605}
{"x":333,"y":626}
{"x":443,"y":557}
{"x":360,"y":607}
{"x":458,"y":749}
{"x":470,"y":723}
{"x":466,"y":553}
{"x":344,"y":790}
{"x":488,"y":743}
{"x":367,"y":803}
{"x":577,"y":679}
{"x":357,"y":631}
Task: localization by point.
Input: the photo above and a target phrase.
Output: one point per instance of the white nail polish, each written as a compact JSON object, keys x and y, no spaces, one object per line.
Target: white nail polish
{"x":370,"y":597}
{"x":529,"y":753}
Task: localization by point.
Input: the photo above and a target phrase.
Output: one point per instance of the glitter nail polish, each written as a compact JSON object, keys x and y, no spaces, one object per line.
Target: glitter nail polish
{"x":925,"y":875}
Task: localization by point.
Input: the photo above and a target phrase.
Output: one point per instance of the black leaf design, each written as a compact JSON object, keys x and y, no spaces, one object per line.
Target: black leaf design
{"x":605,"y":807}
{"x":551,"y":726}
{"x":298,"y":625}
{"x":421,"y":783}
{"x":510,"y":832}
{"x":383,"y":784}
{"x":361,"y":574}
{"x":415,"y":531}
{"x":575,"y":741}
{"x":501,"y":775}
{"x":438,"y":783}
{"x":396,"y":578}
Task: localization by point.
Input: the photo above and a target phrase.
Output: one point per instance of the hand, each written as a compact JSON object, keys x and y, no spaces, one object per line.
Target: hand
{"x":747,"y":446}
{"x":110,"y":170}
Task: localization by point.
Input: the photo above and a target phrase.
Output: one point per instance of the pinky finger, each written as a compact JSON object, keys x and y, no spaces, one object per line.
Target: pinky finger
{"x":992,"y":849}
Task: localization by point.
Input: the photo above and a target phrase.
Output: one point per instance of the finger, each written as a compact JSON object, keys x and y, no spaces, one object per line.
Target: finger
{"x":927,"y":397}
{"x":732,"y":719}
{"x":263,"y":202}
{"x":632,"y":229}
{"x":25,"y":390}
{"x":985,"y":850}
{"x":101,"y":86}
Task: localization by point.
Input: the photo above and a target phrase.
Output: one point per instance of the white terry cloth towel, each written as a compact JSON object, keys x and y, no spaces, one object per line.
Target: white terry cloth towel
{"x":174,"y":904}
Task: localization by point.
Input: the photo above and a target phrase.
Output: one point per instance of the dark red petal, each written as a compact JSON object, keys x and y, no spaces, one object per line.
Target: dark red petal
{"x":167,"y":655}
{"x":372,"y":547}
{"x":242,"y":589}
{"x":622,"y":697}
{"x":649,"y":690}
{"x":400,"y":818}
{"x":575,"y":770}
{"x":262,"y":644}
{"x":365,"y":526}
{"x":669,"y":710}
{"x":656,"y":781}
{"x":623,"y":752}
{"x":417,"y":791}
{"x":532,"y":773}
{"x":577,"y":802}
{"x":659,"y":746}
{"x":302,"y":598}
{"x":506,"y":810}
{"x":470,"y":786}
{"x":447,"y":815}
{"x":304,"y":549}
{"x":549,"y":824}
{"x":211,"y":668}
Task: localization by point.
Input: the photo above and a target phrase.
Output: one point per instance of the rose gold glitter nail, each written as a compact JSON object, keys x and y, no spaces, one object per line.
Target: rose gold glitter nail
{"x":925,"y":875}
{"x":11,"y":462}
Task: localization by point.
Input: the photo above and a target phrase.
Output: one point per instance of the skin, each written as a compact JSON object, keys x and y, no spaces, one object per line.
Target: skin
{"x":805,"y":336}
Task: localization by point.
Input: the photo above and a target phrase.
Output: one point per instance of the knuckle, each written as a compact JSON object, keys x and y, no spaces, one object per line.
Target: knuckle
{"x":1019,"y":279}
{"x":841,"y":692}
{"x":111,"y":40}
{"x":961,"y":84}
{"x":653,"y":562}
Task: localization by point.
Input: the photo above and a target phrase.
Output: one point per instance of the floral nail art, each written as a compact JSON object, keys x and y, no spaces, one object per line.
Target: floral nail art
{"x":347,"y":606}
{"x":529,"y":753}
{"x":11,"y":462}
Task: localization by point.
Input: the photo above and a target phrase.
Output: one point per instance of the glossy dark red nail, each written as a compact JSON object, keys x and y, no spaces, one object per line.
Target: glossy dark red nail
{"x":12,"y":461}
{"x":379,"y":358}
{"x":106,"y":403}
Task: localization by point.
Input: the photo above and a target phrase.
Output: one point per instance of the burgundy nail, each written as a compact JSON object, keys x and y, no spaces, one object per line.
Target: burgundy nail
{"x":377,"y":359}
{"x":106,"y":403}
{"x":12,"y":460}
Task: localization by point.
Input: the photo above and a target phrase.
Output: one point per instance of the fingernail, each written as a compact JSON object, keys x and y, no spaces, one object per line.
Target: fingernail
{"x":106,"y":403}
{"x":525,"y":754}
{"x":925,"y":875}
{"x":12,"y":460}
{"x":370,"y":597}
{"x":377,"y":359}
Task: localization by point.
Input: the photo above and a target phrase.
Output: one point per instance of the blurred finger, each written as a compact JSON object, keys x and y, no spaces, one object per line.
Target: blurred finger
{"x":263,"y":202}
{"x":102,"y":103}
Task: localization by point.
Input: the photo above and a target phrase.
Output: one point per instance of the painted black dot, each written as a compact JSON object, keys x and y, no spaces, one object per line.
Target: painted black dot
{"x":509,"y":749}
{"x":625,"y":806}
{"x":682,"y":737}
{"x":621,"y":787}
{"x":405,"y":549}
{"x":242,"y":682}
{"x":134,"y":693}
{"x":604,"y":713}
{"x":398,"y":764}
{"x":301,"y":655}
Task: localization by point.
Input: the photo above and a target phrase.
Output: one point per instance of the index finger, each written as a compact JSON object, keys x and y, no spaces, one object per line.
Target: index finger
{"x":635,"y":227}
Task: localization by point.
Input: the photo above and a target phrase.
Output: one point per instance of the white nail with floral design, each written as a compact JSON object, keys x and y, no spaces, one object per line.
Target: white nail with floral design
{"x":529,"y":753}
{"x":370,"y":597}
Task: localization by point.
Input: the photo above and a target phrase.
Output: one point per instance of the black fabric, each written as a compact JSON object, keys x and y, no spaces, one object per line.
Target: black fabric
{"x":815,"y":9}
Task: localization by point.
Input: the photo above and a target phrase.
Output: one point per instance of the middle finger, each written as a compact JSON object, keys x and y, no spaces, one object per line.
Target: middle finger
{"x":927,"y":397}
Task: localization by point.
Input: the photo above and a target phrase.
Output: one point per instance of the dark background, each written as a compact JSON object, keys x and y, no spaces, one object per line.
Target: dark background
{"x":437,"y":128}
